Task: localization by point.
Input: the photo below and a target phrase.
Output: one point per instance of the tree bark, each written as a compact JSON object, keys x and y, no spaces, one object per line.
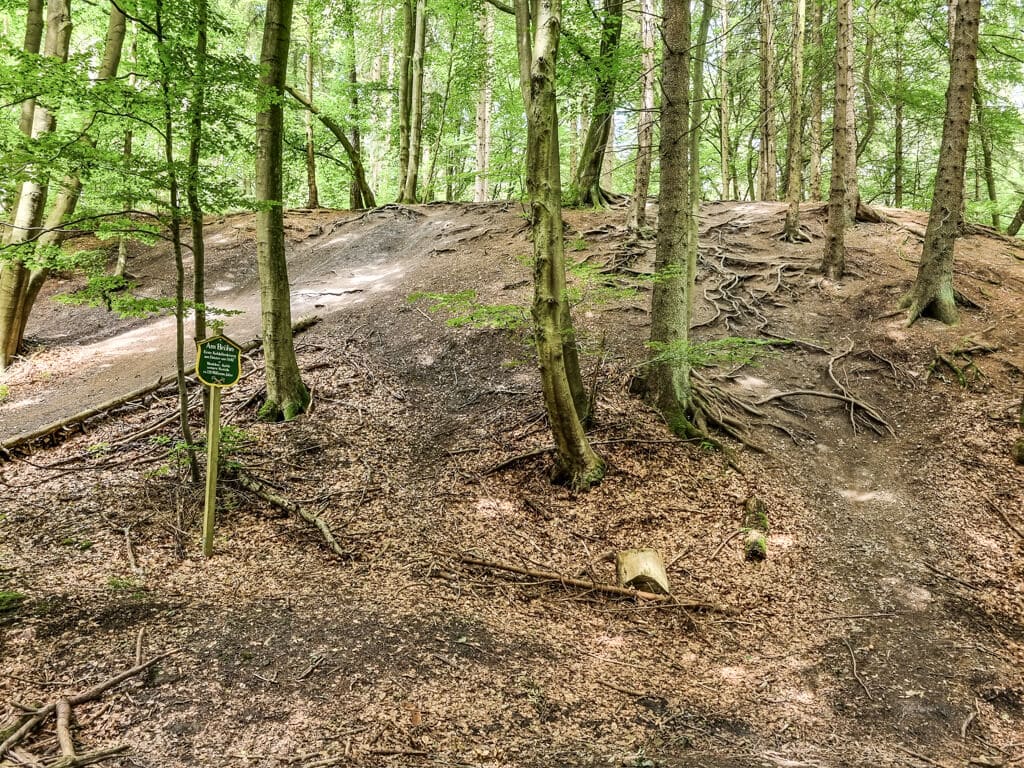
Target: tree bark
{"x":870,"y":107}
{"x":851,"y":196}
{"x":791,"y":231}
{"x":416,"y":106}
{"x":287,"y":396}
{"x":313,"y":193}
{"x":356,"y":199}
{"x":898,"y":160}
{"x":538,"y":35}
{"x":833,"y":263}
{"x":986,"y":154}
{"x":637,"y":217}
{"x":483,"y":108}
{"x":767,"y":180}
{"x":586,"y":185}
{"x":14,"y":276}
{"x":724,"y":147}
{"x":932,"y":294}
{"x":405,"y":93}
{"x":668,"y":380}
{"x":817,"y":46}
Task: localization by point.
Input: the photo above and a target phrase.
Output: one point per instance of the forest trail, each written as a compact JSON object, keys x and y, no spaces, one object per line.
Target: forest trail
{"x":885,"y":629}
{"x":84,"y":358}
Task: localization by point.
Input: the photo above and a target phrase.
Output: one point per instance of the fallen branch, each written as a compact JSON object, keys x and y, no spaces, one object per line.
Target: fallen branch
{"x":593,"y":586}
{"x":1005,"y":517}
{"x":856,"y":673}
{"x":260,"y":488}
{"x":90,"y":694}
{"x":104,"y":409}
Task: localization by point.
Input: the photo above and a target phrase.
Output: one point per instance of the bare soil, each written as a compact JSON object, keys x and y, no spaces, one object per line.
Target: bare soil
{"x":886,"y":627}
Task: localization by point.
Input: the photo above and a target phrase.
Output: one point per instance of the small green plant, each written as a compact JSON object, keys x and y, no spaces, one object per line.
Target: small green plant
{"x":98,"y":448}
{"x":233,"y":441}
{"x":81,"y":545}
{"x":466,"y":311}
{"x":593,"y":286}
{"x":9,"y":601}
{"x":578,"y":244}
{"x":5,"y":392}
{"x":126,"y":585}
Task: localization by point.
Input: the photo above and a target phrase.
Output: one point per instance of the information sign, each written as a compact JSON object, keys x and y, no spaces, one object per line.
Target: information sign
{"x":219,"y":361}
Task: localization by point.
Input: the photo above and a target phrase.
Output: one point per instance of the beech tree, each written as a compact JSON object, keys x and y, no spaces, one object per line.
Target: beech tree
{"x":933,"y":294}
{"x":794,"y":149}
{"x":833,"y":263}
{"x":637,"y":217}
{"x":538,"y":29}
{"x":287,"y":396}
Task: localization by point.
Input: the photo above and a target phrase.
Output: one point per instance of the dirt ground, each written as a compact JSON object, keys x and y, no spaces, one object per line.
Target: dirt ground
{"x":885,"y":628}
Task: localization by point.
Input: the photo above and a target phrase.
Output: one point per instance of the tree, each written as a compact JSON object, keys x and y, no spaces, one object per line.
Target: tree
{"x":31,"y":197}
{"x":483,"y":108}
{"x":414,"y":104}
{"x":766,"y":119}
{"x":287,"y":396}
{"x":932,"y":294}
{"x":833,"y":263}
{"x":794,"y":189}
{"x":668,"y":380}
{"x":817,"y":78}
{"x":586,"y":184}
{"x":538,"y":28}
{"x":637,"y":217}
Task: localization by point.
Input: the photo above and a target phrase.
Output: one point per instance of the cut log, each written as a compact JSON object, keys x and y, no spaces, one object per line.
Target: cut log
{"x":642,"y":569}
{"x":755,"y":530}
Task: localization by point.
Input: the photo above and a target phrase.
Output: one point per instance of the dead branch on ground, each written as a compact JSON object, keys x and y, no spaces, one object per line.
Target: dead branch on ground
{"x":592,"y":586}
{"x":28,"y":722}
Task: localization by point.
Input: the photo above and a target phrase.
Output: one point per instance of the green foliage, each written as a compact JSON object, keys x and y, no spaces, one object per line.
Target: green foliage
{"x":466,"y":311}
{"x":9,"y":601}
{"x":732,"y":351}
{"x":5,"y":392}
{"x":592,"y":286}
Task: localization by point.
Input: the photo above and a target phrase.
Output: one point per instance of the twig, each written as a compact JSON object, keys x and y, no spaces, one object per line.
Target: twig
{"x":919,"y":756}
{"x":608,"y":589}
{"x":1004,"y":517}
{"x":726,"y":540}
{"x":405,"y":752}
{"x":856,"y":674}
{"x":857,"y":616}
{"x":949,"y":576}
{"x":968,"y":720}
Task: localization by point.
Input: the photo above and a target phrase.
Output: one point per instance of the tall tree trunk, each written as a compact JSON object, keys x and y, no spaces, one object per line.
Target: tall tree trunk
{"x":586,"y":185}
{"x":287,"y":396}
{"x":693,"y":141}
{"x":767,"y":181}
{"x":637,"y":217}
{"x":313,"y":193}
{"x":870,"y":107}
{"x":932,"y":294}
{"x":723,"y":102}
{"x":986,"y":154}
{"x":436,"y":148}
{"x":851,"y":197}
{"x":898,"y":160}
{"x":14,"y":276}
{"x":1018,"y":220}
{"x":405,"y":93}
{"x":483,"y":107}
{"x":537,"y":36}
{"x":833,"y":263}
{"x":356,"y":198}
{"x":817,"y":78}
{"x":416,"y":106}
{"x":121,"y":267}
{"x":668,"y":380}
{"x":193,"y":182}
{"x":33,"y":39}
{"x":794,"y":192}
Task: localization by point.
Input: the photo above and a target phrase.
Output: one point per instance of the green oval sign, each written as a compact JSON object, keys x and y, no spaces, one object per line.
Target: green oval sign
{"x":218,"y":361}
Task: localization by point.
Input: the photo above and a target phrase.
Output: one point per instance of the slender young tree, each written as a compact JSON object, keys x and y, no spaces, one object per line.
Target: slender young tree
{"x":637,"y":217}
{"x":415,"y":106}
{"x":312,"y":191}
{"x":538,"y":29}
{"x":833,"y":263}
{"x":817,"y":86}
{"x":287,"y":396}
{"x":794,"y":188}
{"x":724,"y":147}
{"x":483,"y":107}
{"x":933,"y":294}
{"x":405,"y":92}
{"x":766,"y":172}
{"x":985,"y":138}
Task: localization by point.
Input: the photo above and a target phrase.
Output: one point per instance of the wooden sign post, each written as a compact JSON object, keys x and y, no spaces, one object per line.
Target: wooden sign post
{"x":218,"y":364}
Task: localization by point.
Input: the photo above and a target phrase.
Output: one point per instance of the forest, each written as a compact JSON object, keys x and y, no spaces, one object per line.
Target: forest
{"x":511,"y":383}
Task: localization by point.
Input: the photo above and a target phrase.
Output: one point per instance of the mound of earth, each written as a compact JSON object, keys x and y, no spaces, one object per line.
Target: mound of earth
{"x":885,"y":627}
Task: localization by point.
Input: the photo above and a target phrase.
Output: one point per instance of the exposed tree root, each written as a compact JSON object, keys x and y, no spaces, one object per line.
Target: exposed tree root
{"x":798,"y":235}
{"x":29,"y":721}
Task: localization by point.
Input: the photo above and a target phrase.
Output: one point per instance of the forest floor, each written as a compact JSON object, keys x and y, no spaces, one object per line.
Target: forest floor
{"x":885,"y":628}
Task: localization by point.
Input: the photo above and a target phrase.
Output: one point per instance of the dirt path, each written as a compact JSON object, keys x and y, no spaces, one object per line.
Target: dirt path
{"x":884,"y":555}
{"x":336,"y":260}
